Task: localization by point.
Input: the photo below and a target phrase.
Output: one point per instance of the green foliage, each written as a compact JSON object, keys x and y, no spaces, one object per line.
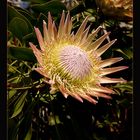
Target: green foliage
{"x":18,"y":106}
{"x":54,"y":6}
{"x":33,"y":113}
{"x":12,"y":13}
{"x":20,"y":24}
{"x":21,"y":53}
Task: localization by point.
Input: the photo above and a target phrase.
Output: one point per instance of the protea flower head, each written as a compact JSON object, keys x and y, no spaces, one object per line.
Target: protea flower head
{"x":71,"y":63}
{"x":121,"y":9}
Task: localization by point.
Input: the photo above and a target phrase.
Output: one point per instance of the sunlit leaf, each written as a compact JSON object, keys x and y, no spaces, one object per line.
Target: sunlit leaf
{"x":11,"y":93}
{"x":29,"y":134}
{"x":125,"y":87}
{"x":53,"y":119}
{"x":126,"y":52}
{"x":19,"y":105}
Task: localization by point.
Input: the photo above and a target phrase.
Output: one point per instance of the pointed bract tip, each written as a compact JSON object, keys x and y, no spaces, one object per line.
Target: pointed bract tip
{"x":95,"y":102}
{"x":107,"y":33}
{"x":123,"y":81}
{"x":113,"y":92}
{"x":35,"y":27}
{"x":87,"y":17}
{"x":113,"y":41}
{"x":66,"y":95}
{"x":68,"y":12}
{"x":100,"y":27}
{"x":63,"y":14}
{"x":44,"y":22}
{"x":121,"y":58}
{"x":30,"y":43}
{"x":49,"y":13}
{"x":125,"y":67}
{"x":81,"y":101}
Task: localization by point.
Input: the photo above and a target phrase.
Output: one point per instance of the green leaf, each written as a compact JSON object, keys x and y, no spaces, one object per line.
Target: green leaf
{"x":11,"y":69}
{"x":38,"y":1}
{"x":127,"y":52}
{"x":26,"y":14}
{"x":25,"y":54}
{"x":13,"y":127}
{"x":18,"y":110}
{"x":128,"y":87}
{"x":29,"y":134}
{"x":53,"y":120}
{"x":54,"y":6}
{"x":125,"y":103}
{"x":19,"y":104}
{"x":11,"y":93}
{"x":78,"y":9}
{"x":19,"y":27}
{"x":12,"y":13}
{"x":27,"y":119}
{"x":29,"y":36}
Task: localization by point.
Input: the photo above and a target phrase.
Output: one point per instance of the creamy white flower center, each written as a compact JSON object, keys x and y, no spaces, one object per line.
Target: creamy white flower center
{"x":75,"y":61}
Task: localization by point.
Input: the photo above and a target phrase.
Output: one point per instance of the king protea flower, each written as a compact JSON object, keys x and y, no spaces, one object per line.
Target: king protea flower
{"x":71,"y":63}
{"x":121,"y":9}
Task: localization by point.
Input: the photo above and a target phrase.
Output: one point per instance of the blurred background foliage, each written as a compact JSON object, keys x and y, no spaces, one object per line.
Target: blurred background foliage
{"x":34,"y":114}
